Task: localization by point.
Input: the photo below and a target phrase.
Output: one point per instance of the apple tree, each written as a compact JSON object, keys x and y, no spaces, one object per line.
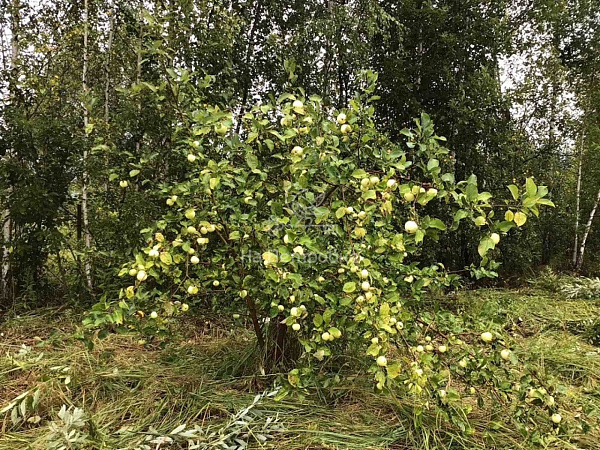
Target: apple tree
{"x":308,"y":221}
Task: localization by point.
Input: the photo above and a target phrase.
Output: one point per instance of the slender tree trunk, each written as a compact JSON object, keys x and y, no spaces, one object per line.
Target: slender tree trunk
{"x":111,"y":31}
{"x":138,"y":72}
{"x":6,"y":219}
{"x":420,"y":49}
{"x":61,"y":272}
{"x":578,"y":204}
{"x":249,"y":51}
{"x":86,"y":119}
{"x":587,"y":231}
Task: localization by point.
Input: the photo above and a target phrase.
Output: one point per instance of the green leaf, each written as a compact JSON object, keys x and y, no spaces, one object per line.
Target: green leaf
{"x":321,"y":214}
{"x":318,"y":320}
{"x":320,"y":300}
{"x":530,"y":187}
{"x":419,"y":236}
{"x":285,"y":96}
{"x":437,"y":223}
{"x":118,"y":317}
{"x":484,"y":196}
{"x":448,"y":177}
{"x":359,"y":173}
{"x":393,"y":370}
{"x":505,"y":226}
{"x":341,"y":211}
{"x":432,"y":164}
{"x":369,"y":195}
{"x":346,"y":301}
{"x":484,"y":245}
{"x":520,"y":218}
{"x":251,"y":137}
{"x":269,"y":257}
{"x":514,"y":190}
{"x":251,"y":160}
{"x":545,"y":201}
{"x":284,"y":254}
{"x":36,"y":399}
{"x":166,"y":258}
{"x":373,"y":350}
{"x":472,"y":192}
{"x":336,"y":333}
{"x":460,"y":214}
{"x":349,"y":287}
{"x":133,"y":173}
{"x":384,"y":310}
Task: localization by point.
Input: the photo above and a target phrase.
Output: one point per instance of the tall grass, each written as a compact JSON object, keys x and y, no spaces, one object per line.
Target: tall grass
{"x":129,"y":393}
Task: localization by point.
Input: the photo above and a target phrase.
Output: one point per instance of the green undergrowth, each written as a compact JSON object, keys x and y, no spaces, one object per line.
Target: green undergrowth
{"x":134,"y":396}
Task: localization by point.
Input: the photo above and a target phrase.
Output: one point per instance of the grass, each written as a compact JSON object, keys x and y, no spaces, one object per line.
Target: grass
{"x":132,"y":395}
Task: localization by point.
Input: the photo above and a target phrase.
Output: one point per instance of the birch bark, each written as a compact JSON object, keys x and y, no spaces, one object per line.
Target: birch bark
{"x":84,"y":184}
{"x":586,"y":233}
{"x":6,"y":219}
{"x":578,"y":205}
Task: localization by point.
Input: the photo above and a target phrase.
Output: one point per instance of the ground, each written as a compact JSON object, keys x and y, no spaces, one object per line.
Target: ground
{"x":136,"y":397}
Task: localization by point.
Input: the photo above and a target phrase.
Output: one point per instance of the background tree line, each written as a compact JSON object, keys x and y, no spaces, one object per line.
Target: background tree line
{"x":85,"y":147}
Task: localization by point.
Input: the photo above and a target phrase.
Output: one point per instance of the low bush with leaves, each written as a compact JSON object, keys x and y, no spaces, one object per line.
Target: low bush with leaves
{"x":581,"y":288}
{"x":68,"y":431}
{"x":310,"y":219}
{"x":247,"y":425}
{"x":547,"y":279}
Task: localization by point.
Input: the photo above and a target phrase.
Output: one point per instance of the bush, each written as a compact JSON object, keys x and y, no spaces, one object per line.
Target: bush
{"x":313,"y":220}
{"x":581,"y":287}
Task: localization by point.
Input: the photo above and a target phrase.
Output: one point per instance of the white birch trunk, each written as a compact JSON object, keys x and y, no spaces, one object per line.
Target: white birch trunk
{"x":111,"y":32}
{"x":138,"y":74}
{"x":6,"y":220}
{"x":587,"y":231}
{"x":577,"y":205}
{"x":84,"y":185}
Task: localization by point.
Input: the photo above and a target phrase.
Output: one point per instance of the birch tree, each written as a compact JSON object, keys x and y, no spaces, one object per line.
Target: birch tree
{"x":112,"y":17}
{"x":138,"y":72}
{"x":85,"y":179}
{"x":586,"y":233}
{"x":578,"y":204}
{"x":6,"y":219}
{"x":112,"y":12}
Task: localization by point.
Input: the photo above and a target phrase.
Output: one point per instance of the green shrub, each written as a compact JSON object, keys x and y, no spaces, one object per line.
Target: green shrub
{"x":581,"y":287}
{"x":312,"y":220}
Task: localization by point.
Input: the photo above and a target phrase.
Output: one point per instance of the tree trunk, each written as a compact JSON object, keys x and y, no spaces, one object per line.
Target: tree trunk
{"x":547,"y":249}
{"x":249,"y":51}
{"x":138,"y":72}
{"x":84,"y":184}
{"x":111,"y":31}
{"x":6,"y":219}
{"x":282,"y":349}
{"x":587,"y":232}
{"x":577,"y":205}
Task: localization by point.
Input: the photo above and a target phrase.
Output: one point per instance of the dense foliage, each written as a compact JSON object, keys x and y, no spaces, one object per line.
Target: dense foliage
{"x":511,"y":85}
{"x":315,"y":221}
{"x":261,"y":159}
